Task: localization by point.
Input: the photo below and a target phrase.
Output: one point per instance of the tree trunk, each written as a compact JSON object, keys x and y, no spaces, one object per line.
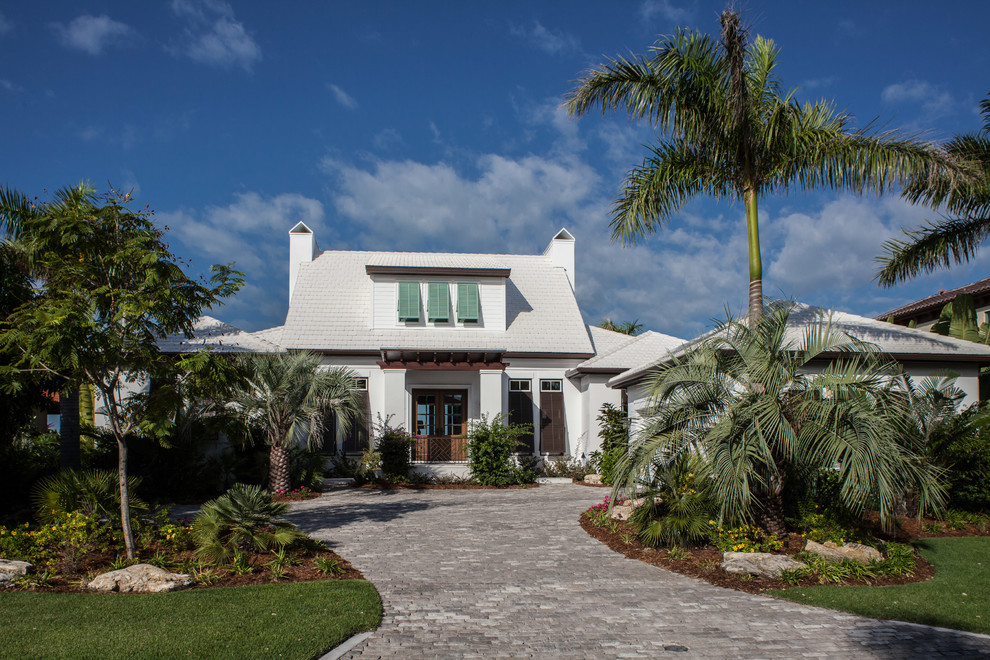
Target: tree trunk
{"x":771,"y":516}
{"x":68,"y":435}
{"x":278,"y":468}
{"x":755,"y":263}
{"x":125,"y":500}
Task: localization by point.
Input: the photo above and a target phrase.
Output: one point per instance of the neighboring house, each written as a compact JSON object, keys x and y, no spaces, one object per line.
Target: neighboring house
{"x":438,"y":340}
{"x":919,"y":352}
{"x":925,"y":312}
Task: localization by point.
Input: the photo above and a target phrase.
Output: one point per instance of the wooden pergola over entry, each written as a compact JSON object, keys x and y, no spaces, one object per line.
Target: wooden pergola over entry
{"x":469,"y":360}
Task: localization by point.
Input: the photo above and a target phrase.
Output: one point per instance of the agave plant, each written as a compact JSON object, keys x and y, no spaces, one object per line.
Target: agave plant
{"x":94,"y":492}
{"x":245,"y":518}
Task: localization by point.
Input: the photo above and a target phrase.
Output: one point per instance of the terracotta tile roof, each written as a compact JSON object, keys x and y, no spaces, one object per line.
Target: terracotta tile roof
{"x":936,"y":302}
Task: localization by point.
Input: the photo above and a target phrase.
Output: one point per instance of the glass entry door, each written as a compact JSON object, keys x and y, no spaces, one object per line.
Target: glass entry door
{"x":440,"y":426}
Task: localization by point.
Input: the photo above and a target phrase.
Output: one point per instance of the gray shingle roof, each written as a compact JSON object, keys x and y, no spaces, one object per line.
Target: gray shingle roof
{"x":331,"y":307}
{"x":223,"y":338}
{"x":895,"y":340}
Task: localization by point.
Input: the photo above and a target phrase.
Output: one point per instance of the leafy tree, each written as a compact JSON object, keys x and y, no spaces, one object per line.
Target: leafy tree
{"x":727,"y":131}
{"x":285,"y":395}
{"x":631,"y":328}
{"x":964,"y":195}
{"x":746,"y":399}
{"x":108,"y":290}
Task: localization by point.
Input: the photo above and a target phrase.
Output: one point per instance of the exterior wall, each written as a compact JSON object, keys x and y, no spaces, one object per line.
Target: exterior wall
{"x":594,"y":394}
{"x":390,"y":393}
{"x":491,"y":299}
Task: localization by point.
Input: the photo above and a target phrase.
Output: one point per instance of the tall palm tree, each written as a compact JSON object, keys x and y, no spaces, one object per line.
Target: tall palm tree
{"x":288,"y":394}
{"x":729,"y":132}
{"x":965,"y":196}
{"x":631,"y":328}
{"x":746,"y":400}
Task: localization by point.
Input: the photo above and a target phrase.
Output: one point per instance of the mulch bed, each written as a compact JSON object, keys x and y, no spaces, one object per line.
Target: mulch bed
{"x":302,"y":570}
{"x":703,"y":562}
{"x":582,"y":483}
{"x":297,"y":497}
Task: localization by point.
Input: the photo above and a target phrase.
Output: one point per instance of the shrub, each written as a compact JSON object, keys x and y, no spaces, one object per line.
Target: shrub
{"x":244,"y":517}
{"x":393,"y":446}
{"x":490,"y":447}
{"x":745,"y":538}
{"x":93,"y":492}
{"x":565,"y":466}
{"x":615,"y":441}
{"x":676,"y":511}
{"x":966,"y":460}
{"x":306,"y":467}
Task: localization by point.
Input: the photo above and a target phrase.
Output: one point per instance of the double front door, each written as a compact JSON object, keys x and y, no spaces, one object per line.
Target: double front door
{"x":441,"y":428}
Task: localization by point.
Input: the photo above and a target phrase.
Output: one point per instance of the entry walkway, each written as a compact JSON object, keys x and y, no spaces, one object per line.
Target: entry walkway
{"x":510,"y":574}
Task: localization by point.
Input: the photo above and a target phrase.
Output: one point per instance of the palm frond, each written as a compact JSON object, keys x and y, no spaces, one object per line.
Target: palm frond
{"x":932,"y":247}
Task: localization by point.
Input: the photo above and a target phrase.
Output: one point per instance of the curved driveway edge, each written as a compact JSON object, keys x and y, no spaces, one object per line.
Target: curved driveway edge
{"x":511,"y":574}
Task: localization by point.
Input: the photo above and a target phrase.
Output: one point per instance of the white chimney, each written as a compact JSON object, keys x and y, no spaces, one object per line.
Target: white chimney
{"x":302,"y":249}
{"x":561,"y":253}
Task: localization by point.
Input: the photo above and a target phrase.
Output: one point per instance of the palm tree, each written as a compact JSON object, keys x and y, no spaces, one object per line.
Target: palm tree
{"x":967,"y":197}
{"x":631,"y":328}
{"x":767,"y":411}
{"x":728,"y":132}
{"x":287,"y":394}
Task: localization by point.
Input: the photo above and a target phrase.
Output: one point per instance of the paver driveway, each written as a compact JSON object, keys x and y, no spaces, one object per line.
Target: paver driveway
{"x":510,"y":574}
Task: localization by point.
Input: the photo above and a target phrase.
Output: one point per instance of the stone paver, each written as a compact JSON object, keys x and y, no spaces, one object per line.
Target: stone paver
{"x":510,"y":574}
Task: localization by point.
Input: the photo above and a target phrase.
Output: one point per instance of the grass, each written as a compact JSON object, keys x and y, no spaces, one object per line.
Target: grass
{"x":956,"y":597}
{"x":298,"y":620}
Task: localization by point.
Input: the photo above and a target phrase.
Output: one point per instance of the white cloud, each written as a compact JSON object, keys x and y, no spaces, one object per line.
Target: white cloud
{"x":386,"y":138}
{"x":343,"y":98}
{"x":213,"y":35}
{"x":834,"y":248}
{"x":9,"y":86}
{"x":664,"y":9}
{"x":242,"y":231}
{"x":552,"y":42}
{"x":934,"y":101}
{"x":92,"y":34}
{"x":5,"y":24}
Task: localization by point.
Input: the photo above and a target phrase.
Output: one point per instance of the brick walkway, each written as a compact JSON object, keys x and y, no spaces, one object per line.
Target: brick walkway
{"x":510,"y":574}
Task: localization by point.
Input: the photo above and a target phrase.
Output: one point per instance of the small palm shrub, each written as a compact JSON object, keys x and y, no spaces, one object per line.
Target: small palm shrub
{"x":676,"y":511}
{"x":93,"y":492}
{"x":490,"y":447}
{"x":615,"y":441}
{"x":245,"y":517}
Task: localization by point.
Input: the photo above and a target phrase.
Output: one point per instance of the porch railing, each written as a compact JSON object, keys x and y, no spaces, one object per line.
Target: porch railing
{"x":440,"y":449}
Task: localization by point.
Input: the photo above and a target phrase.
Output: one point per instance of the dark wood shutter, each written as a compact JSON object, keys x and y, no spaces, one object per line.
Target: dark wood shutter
{"x":521,"y":412}
{"x":551,"y":422}
{"x":357,"y":436}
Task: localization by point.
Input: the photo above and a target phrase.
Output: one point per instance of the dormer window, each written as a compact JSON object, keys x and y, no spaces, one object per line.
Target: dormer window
{"x":468,"y":308}
{"x":408,"y":302}
{"x":438,"y":302}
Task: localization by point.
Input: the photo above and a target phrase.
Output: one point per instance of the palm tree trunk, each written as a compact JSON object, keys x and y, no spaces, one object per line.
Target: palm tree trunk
{"x":278,"y":468}
{"x":755,"y":264}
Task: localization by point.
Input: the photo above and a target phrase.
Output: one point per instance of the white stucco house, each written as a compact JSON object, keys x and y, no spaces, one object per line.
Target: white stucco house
{"x":437,"y":340}
{"x":920,"y":353}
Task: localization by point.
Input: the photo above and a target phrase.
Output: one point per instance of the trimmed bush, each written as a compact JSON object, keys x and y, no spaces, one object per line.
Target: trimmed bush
{"x":490,"y":448}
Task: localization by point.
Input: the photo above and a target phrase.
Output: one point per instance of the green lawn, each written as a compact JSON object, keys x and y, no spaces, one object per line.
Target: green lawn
{"x":957,"y":597}
{"x":300,"y":620}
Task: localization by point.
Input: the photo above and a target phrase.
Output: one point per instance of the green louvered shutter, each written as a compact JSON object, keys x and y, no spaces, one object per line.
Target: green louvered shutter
{"x":408,"y":301}
{"x":467,"y":302}
{"x":438,"y":303}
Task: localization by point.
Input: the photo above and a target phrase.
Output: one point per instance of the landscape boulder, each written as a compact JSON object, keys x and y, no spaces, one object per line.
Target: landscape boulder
{"x":763,"y":564}
{"x":864,"y":554}
{"x":11,"y":569}
{"x":593,"y":479}
{"x":140,"y":578}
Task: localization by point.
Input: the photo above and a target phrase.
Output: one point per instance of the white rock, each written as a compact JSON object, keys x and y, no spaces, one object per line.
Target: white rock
{"x":864,"y":554}
{"x":595,"y":479}
{"x":622,"y":511}
{"x":763,"y":564}
{"x":140,"y":578}
{"x":11,"y":569}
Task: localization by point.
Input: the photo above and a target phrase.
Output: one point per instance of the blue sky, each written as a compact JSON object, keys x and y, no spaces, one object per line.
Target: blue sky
{"x":437,"y":126}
